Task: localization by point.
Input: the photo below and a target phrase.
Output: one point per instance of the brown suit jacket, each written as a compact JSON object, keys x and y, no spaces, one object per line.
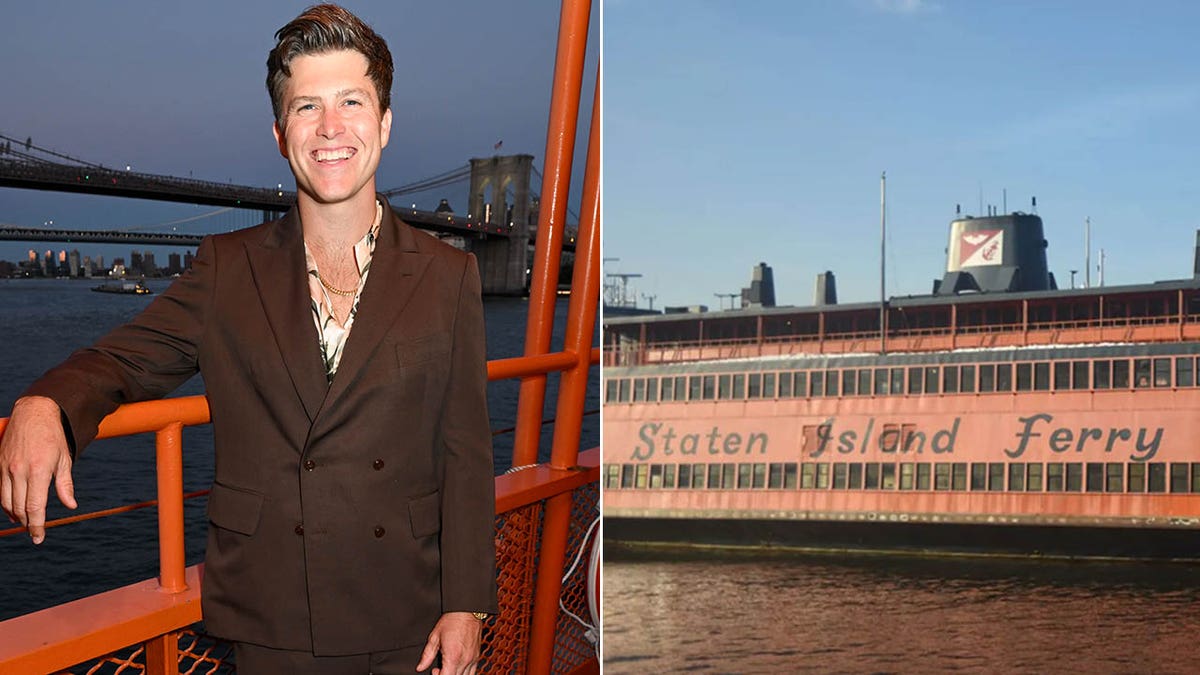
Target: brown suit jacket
{"x":344,"y":517}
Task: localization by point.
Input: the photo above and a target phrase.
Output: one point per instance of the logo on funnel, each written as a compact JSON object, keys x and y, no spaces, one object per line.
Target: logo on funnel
{"x":981,"y":247}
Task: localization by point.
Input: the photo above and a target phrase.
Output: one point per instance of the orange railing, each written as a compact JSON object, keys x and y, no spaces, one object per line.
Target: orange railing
{"x":543,"y":513}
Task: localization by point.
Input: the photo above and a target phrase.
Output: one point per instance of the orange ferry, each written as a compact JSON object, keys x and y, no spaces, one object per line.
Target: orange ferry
{"x":997,"y":414}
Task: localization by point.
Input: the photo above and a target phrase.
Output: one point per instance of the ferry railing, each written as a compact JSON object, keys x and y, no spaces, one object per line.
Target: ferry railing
{"x":542,"y":512}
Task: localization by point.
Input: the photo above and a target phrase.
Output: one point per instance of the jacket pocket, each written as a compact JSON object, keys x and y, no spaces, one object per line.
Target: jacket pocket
{"x":425,"y":513}
{"x":234,"y":509}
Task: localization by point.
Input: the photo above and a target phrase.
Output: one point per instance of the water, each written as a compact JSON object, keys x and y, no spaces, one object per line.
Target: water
{"x":756,"y":613}
{"x":41,"y":323}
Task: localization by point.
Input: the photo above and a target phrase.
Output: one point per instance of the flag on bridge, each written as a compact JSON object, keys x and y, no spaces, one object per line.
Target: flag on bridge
{"x":498,"y":144}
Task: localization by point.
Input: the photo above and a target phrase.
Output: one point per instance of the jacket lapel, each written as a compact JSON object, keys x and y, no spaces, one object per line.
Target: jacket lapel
{"x":396,"y":270}
{"x":277,"y":265}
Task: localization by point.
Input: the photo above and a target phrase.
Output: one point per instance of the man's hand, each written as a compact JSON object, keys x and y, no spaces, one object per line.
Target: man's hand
{"x":34,"y":450}
{"x":456,"y":636}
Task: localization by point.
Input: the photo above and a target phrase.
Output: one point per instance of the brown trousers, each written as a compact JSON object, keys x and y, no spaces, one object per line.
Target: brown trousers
{"x":256,"y":660}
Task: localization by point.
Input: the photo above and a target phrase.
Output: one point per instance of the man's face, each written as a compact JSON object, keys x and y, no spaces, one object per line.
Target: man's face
{"x":333,"y":130}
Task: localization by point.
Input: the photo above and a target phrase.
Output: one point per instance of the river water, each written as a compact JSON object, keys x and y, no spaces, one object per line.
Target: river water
{"x":41,"y":322}
{"x":720,"y":612}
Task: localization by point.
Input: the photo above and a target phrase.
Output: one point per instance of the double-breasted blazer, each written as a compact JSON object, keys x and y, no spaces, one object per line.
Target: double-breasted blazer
{"x":345,"y":517}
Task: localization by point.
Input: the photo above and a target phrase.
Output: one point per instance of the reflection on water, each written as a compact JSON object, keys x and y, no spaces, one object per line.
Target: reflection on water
{"x":721,"y":612}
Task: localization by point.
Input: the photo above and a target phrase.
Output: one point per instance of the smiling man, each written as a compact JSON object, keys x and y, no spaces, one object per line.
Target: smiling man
{"x":351,"y":517}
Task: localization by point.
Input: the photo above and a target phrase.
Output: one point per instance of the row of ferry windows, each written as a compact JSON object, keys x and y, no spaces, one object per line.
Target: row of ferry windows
{"x":948,"y":379}
{"x":1179,"y":477}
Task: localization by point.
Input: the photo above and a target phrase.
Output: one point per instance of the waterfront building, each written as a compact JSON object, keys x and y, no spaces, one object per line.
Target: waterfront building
{"x":173,"y":265}
{"x":73,"y":262}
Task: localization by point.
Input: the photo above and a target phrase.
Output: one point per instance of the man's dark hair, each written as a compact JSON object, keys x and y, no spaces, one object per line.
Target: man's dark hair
{"x":327,"y":28}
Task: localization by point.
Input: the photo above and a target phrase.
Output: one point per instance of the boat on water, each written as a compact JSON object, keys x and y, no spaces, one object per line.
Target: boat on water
{"x":124,"y":287}
{"x":998,"y":414}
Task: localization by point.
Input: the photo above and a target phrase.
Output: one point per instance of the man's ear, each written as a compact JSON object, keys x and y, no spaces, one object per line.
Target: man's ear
{"x":385,"y":128}
{"x":280,"y":139}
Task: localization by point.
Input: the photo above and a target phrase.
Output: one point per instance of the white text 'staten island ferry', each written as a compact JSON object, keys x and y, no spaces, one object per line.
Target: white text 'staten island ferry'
{"x":997,"y":414}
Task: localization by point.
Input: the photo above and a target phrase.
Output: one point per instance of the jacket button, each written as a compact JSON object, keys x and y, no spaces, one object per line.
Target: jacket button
{"x":309,"y":465}
{"x":300,"y":530}
{"x":378,"y":464}
{"x":379,"y":531}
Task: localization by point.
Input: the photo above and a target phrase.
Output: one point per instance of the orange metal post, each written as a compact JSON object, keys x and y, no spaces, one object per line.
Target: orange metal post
{"x":560,"y":150}
{"x":549,"y":583}
{"x":162,"y":654}
{"x":169,"y":451}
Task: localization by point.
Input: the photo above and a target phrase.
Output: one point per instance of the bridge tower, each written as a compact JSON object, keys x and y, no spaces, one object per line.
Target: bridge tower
{"x":503,"y":261}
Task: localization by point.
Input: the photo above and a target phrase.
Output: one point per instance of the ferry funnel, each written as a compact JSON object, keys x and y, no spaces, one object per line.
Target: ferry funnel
{"x":996,"y":254}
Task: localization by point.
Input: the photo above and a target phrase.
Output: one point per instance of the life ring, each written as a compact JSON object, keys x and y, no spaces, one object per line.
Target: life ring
{"x":593,"y":582}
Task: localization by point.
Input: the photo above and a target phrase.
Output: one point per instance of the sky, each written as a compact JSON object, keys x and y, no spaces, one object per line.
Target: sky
{"x":745,"y":132}
{"x":178,"y":89}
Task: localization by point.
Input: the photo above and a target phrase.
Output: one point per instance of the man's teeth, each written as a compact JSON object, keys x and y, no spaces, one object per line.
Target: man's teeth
{"x":331,"y":155}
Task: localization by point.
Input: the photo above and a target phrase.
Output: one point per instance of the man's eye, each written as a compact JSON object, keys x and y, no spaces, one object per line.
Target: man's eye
{"x":352,"y":101}
{"x":306,"y":107}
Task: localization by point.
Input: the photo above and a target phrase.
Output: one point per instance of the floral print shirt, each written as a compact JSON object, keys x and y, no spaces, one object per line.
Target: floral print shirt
{"x":332,"y":335}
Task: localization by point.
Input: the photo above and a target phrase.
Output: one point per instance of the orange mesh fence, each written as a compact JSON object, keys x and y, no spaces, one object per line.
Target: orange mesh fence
{"x":574,"y":642}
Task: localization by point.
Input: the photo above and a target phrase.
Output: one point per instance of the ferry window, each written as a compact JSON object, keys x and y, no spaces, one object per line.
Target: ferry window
{"x":642,"y":471}
{"x":627,"y":475}
{"x":887,"y":479}
{"x":839,"y":476}
{"x":1158,"y":477}
{"x":1179,"y":477}
{"x":610,"y":391}
{"x":1074,"y":477}
{"x":941,"y":476}
{"x":864,"y":382}
{"x":789,"y":476}
{"x":906,"y":475}
{"x":1102,"y":374}
{"x":755,"y":387}
{"x":923,"y":474}
{"x":823,"y":476}
{"x":995,"y":476}
{"x":656,"y":475}
{"x":1041,"y":377}
{"x":1054,"y":477}
{"x":1162,"y":372}
{"x":816,"y":384}
{"x":724,"y":386}
{"x":1114,"y":478}
{"x":668,"y":389}
{"x":727,"y":476}
{"x":714,"y":476}
{"x":785,"y":385}
{"x":769,"y":385}
{"x":1137,"y":477}
{"x":685,"y":476}
{"x":1004,"y":377}
{"x":967,"y":380}
{"x":849,"y":383}
{"x":1025,"y":376}
{"x":831,"y":382}
{"x":808,"y":476}
{"x":639,"y":390}
{"x":681,"y":388}
{"x":1183,"y":372}
{"x":739,"y":387}
{"x":872,"y":481}
{"x":931,"y":380}
{"x":916,"y":380}
{"x":694,"y":384}
{"x":1095,"y":477}
{"x":950,"y":379}
{"x":760,"y":476}
{"x":1120,"y":379}
{"x":1062,"y":375}
{"x":800,"y":383}
{"x":1079,"y":376}
{"x":698,"y":476}
{"x":669,"y":476}
{"x":1195,"y":476}
{"x":959,"y":478}
{"x":978,"y":476}
{"x":710,"y":387}
{"x":881,"y":381}
{"x":652,"y":389}
{"x":743,"y":476}
{"x":1016,"y":477}
{"x":775,"y":478}
{"x":897,"y":381}
{"x":1033,"y":477}
{"x":855,"y":479}
{"x":623,"y":391}
{"x":612,"y":475}
{"x":1141,"y":372}
{"x":987,"y":378}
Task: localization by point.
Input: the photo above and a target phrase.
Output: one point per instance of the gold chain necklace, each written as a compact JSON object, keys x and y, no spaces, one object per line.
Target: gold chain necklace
{"x":331,"y":289}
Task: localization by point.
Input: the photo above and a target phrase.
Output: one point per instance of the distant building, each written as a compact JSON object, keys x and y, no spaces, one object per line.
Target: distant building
{"x":135,"y":264}
{"x":148,"y":266}
{"x":187,"y":260}
{"x":48,"y":265}
{"x":73,"y":262}
{"x":174,"y":266}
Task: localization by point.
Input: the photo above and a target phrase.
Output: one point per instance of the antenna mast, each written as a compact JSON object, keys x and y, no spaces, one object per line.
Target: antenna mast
{"x":1087,"y":252}
{"x":882,"y":262}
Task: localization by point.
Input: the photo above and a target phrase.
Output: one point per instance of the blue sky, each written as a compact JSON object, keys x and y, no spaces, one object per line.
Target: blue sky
{"x":178,"y":88}
{"x":740,"y":132}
